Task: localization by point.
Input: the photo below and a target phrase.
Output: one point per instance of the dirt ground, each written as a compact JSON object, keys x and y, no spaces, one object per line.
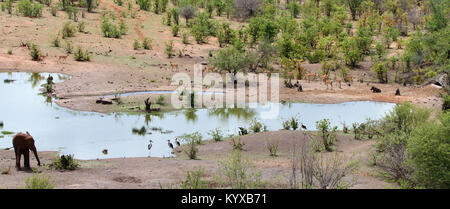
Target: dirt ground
{"x":153,"y":172}
{"x":117,"y":67}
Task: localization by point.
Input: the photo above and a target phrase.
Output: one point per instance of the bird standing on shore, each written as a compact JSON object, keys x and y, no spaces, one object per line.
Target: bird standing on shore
{"x":303,"y":126}
{"x":177,"y":142}
{"x":150,"y":145}
{"x":170,"y":144}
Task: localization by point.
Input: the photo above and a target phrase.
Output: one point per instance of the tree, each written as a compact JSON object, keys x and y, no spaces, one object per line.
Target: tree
{"x":188,"y":12}
{"x":246,"y":8}
{"x":382,"y":71}
{"x":429,"y":147}
{"x":231,"y":60}
{"x":352,"y":54}
{"x":353,"y":5}
{"x":438,"y":18}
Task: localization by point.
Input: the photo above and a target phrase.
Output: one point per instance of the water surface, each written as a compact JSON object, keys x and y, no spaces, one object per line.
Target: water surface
{"x":86,"y":134}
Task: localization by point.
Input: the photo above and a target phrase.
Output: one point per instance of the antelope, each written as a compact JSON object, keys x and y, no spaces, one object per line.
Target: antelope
{"x":173,"y":66}
{"x":311,"y":76}
{"x":338,"y":80}
{"x":348,"y":78}
{"x":324,"y":78}
{"x":329,"y":82}
{"x":62,"y":57}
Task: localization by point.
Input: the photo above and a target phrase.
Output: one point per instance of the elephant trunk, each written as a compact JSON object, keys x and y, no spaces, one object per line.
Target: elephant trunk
{"x":33,"y":148}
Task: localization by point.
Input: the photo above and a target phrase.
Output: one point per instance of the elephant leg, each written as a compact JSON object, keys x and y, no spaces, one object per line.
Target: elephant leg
{"x":18,"y":154}
{"x":26,"y":156}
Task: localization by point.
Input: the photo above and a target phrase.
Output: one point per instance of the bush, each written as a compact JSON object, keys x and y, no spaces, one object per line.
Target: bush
{"x":429,"y":148}
{"x":68,"y":30}
{"x":65,"y":162}
{"x":28,"y":9}
{"x":81,"y":55}
{"x":257,"y":126}
{"x":185,"y":38}
{"x":69,"y":47}
{"x":144,"y":4}
{"x":194,"y":180}
{"x":286,"y":125}
{"x":216,"y":134}
{"x":81,"y":27}
{"x":35,"y":53}
{"x":136,"y":44}
{"x":446,"y":104}
{"x":382,"y":72}
{"x":170,"y":52}
{"x":272,"y":146}
{"x":109,"y":30}
{"x":175,"y":29}
{"x":9,"y":51}
{"x":160,"y":100}
{"x":237,"y":144}
{"x":192,"y":140}
{"x":38,"y":182}
{"x":147,"y":43}
{"x":326,"y":133}
{"x":239,"y":173}
{"x":56,"y":42}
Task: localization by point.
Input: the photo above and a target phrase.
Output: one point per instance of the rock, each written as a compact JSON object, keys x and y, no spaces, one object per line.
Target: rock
{"x":204,"y":63}
{"x":103,"y":101}
{"x":439,"y":80}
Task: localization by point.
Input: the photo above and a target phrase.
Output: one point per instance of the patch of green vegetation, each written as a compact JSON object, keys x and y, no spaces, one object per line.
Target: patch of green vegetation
{"x":7,"y":132}
{"x":65,"y":162}
{"x":38,"y":182}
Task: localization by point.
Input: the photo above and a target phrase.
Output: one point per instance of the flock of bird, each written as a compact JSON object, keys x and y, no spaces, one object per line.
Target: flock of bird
{"x":168,"y":143}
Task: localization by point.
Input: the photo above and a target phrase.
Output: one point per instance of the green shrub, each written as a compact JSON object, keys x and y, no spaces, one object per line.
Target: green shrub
{"x":144,"y":4}
{"x":257,"y":126}
{"x":175,"y":29}
{"x":81,"y":55}
{"x":8,"y":6}
{"x":185,"y":38}
{"x":170,"y":52}
{"x":81,"y":27}
{"x":239,"y":173}
{"x":160,"y":100}
{"x":136,"y":44}
{"x":286,"y":125}
{"x":38,"y":182}
{"x":29,"y":9}
{"x":56,"y":42}
{"x":446,"y":104}
{"x":9,"y":51}
{"x":237,"y":144}
{"x":382,"y":72}
{"x":147,"y":43}
{"x":109,"y":30}
{"x":68,"y":30}
{"x":429,"y":147}
{"x":69,"y":47}
{"x":192,"y":140}
{"x":216,"y":134}
{"x":35,"y":52}
{"x":194,"y":180}
{"x":272,"y":146}
{"x":65,"y":162}
{"x":326,"y":133}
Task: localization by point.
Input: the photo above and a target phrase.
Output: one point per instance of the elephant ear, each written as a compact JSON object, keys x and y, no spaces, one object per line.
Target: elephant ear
{"x":28,"y":133}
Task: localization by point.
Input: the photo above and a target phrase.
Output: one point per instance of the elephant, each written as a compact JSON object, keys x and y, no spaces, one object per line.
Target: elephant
{"x":23,"y":143}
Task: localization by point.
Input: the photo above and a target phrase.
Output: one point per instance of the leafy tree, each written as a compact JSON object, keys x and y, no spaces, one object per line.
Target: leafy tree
{"x":438,"y":19}
{"x":294,"y":9}
{"x":354,"y":6}
{"x":381,"y":71}
{"x":352,"y":54}
{"x":429,"y":147}
{"x":231,"y":60}
{"x":188,"y":12}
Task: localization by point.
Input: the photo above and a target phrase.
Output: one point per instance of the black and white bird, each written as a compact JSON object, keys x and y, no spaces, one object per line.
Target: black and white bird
{"x":303,"y":126}
{"x":150,"y":145}
{"x":170,"y":144}
{"x":177,"y":142}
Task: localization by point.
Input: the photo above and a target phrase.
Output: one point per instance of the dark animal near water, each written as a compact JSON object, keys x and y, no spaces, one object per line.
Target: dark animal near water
{"x":170,"y":144}
{"x":397,"y":93}
{"x":23,"y":143}
{"x":300,"y":88}
{"x":375,"y":89}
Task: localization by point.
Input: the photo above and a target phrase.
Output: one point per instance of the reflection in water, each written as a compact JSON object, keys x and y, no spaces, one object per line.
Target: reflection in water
{"x":35,"y":79}
{"x":86,"y":134}
{"x":225,"y":113}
